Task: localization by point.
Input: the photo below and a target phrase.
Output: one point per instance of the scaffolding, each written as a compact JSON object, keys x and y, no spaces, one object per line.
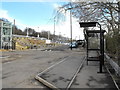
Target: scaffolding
{"x":5,"y":35}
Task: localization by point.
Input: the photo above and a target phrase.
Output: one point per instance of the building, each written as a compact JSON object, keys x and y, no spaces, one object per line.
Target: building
{"x":5,"y":34}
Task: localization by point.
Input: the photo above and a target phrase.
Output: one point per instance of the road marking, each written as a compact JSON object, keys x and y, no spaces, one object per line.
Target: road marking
{"x":4,"y":56}
{"x":53,"y":66}
{"x":44,"y":81}
{"x":79,"y":68}
{"x":38,"y":77}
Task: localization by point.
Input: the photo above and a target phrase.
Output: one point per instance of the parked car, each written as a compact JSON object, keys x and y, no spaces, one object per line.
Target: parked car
{"x":73,"y":45}
{"x":80,"y":42}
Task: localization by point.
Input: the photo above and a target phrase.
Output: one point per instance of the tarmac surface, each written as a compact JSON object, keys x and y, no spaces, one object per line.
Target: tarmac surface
{"x":88,"y":77}
{"x":60,"y":75}
{"x":19,"y":69}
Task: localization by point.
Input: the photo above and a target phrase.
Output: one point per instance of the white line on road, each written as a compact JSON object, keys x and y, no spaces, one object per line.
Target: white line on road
{"x":4,"y":56}
{"x":44,"y":81}
{"x":53,"y":66}
{"x":79,"y":68}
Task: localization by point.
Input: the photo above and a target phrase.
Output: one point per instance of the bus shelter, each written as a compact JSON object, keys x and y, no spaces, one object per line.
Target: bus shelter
{"x":94,"y":43}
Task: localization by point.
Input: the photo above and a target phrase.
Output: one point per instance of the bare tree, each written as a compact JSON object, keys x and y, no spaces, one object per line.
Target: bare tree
{"x":106,"y":13}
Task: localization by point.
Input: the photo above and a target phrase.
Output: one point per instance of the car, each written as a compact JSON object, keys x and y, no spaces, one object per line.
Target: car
{"x":73,"y":45}
{"x":80,"y":42}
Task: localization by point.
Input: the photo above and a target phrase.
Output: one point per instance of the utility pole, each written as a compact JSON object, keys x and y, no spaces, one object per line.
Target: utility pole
{"x":59,"y":37}
{"x":54,"y":25}
{"x":48,"y":35}
{"x":118,"y":31}
{"x":54,"y":31}
{"x":71,"y":25}
{"x":27,"y":31}
{"x":38,"y":33}
{"x":14,"y":27}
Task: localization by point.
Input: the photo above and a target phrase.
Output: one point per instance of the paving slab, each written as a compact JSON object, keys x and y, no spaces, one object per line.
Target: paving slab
{"x":89,"y":77}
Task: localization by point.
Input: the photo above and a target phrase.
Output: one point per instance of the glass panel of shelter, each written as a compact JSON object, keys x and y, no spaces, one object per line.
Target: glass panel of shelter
{"x":93,"y":44}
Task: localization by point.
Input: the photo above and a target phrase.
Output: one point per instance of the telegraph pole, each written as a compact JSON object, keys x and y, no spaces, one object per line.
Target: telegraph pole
{"x":71,"y":27}
{"x":54,"y":31}
{"x":38,"y":33}
{"x":27,"y":31}
{"x":48,"y":35}
{"x":70,"y":24}
{"x":118,"y":31}
{"x":54,"y":25}
{"x":14,"y":27}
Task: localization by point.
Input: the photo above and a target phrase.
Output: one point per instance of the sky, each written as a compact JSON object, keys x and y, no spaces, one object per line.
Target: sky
{"x":39,"y":14}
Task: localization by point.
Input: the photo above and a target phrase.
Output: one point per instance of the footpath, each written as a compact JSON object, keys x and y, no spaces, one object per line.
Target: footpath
{"x":60,"y":75}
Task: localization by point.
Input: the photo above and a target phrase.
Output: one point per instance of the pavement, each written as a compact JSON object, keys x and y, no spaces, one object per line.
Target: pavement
{"x":57,"y":66}
{"x":60,"y":75}
{"x":89,"y":77}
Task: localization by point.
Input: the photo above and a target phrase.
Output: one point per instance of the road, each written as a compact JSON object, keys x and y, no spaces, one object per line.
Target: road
{"x":20,"y":67}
